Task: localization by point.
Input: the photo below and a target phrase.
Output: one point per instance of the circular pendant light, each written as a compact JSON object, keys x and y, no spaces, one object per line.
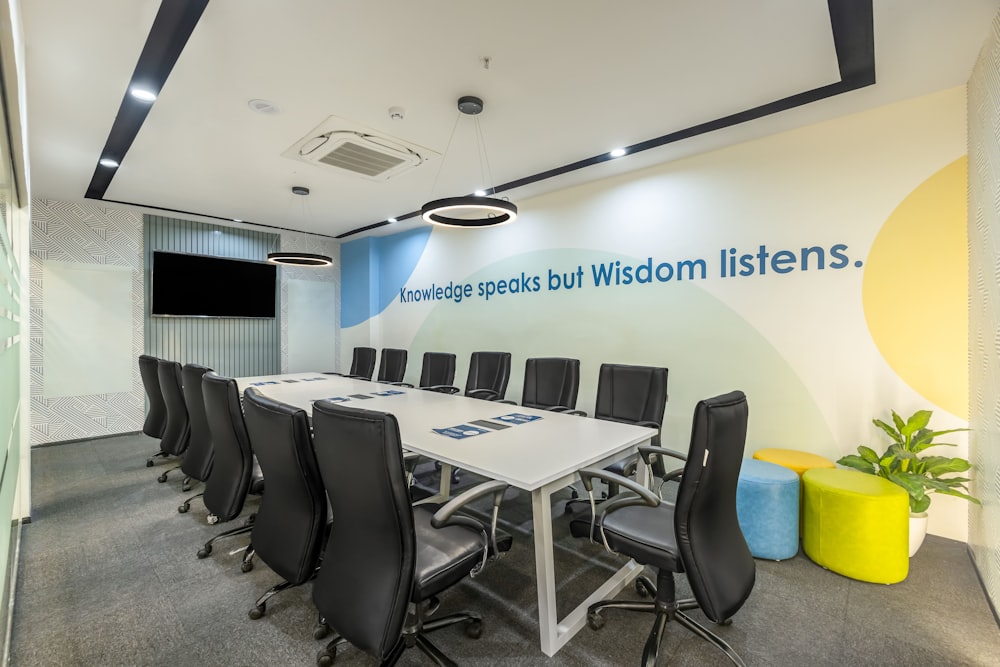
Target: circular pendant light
{"x":470,"y":211}
{"x":298,"y":259}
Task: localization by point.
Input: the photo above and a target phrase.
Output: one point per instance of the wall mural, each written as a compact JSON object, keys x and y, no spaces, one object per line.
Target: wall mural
{"x":815,"y":270}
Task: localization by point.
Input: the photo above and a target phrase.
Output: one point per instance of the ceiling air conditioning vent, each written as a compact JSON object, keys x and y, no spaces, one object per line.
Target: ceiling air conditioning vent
{"x":357,"y":152}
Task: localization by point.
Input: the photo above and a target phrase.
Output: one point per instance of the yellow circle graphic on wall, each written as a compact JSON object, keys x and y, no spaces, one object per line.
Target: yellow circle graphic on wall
{"x":915,"y":289}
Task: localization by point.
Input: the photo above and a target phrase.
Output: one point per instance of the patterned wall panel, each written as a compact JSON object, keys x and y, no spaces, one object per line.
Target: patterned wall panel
{"x":91,"y":234}
{"x":231,"y":346}
{"x":984,"y":310}
{"x":297,"y":242}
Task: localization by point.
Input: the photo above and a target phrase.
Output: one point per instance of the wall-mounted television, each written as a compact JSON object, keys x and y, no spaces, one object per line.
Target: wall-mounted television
{"x":203,"y":286}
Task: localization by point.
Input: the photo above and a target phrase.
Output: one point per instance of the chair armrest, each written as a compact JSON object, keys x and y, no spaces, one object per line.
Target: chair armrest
{"x":561,"y":408}
{"x":578,"y":413}
{"x":359,"y":377}
{"x":401,"y":384}
{"x":331,"y":373}
{"x":506,"y":402}
{"x":483,"y":394}
{"x":442,"y":389}
{"x":643,"y":497}
{"x":446,"y":516}
{"x":410,"y":461}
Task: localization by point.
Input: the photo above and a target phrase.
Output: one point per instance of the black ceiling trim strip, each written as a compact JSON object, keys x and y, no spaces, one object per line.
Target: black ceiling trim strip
{"x":852,"y":24}
{"x":174,"y":22}
{"x":217,"y":217}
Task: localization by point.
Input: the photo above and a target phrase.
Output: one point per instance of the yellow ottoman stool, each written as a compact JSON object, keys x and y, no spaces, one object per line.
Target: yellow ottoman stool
{"x":794,"y":459}
{"x":856,"y":524}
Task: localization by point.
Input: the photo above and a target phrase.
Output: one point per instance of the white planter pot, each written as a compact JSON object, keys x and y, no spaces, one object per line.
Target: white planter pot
{"x":918,"y":528}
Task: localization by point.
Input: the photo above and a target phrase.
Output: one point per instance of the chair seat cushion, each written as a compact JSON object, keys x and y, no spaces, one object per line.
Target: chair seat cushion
{"x":445,"y":555}
{"x":643,"y":533}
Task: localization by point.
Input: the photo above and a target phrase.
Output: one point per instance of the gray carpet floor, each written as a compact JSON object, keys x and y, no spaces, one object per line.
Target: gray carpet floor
{"x":108,"y":576}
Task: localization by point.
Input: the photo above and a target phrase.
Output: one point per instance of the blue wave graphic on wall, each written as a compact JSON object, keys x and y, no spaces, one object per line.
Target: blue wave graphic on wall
{"x":368,"y":285}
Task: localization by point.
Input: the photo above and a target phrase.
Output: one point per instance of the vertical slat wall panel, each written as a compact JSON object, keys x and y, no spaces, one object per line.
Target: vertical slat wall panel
{"x":233,"y":346}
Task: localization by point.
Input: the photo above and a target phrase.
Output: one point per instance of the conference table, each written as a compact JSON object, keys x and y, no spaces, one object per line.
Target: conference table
{"x":534,"y":450}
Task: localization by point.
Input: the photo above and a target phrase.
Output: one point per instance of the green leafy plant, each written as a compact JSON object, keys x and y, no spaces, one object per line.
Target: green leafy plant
{"x":901,"y":464}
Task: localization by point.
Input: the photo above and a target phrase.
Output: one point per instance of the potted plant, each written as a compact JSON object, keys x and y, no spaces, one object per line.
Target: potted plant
{"x":919,"y":475}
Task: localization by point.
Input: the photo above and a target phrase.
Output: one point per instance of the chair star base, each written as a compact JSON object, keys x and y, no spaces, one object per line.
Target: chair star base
{"x":667,"y":608}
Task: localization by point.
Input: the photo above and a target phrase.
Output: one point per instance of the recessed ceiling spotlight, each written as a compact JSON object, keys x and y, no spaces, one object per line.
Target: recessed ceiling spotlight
{"x":300,"y":190}
{"x":263,"y":106}
{"x":618,"y":152}
{"x":108,"y":162}
{"x":143,"y":94}
{"x":392,"y":220}
{"x":480,"y":193}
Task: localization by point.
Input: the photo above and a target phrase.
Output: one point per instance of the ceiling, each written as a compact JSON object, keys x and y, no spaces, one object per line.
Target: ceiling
{"x":565,"y":82}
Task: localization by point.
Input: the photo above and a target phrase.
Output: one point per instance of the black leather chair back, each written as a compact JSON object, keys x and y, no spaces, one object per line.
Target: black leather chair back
{"x":177,"y":431}
{"x":438,"y":369}
{"x":288,"y":530}
{"x":716,"y":558}
{"x":370,"y":553}
{"x":489,"y":370}
{"x":229,"y":480}
{"x":198,"y":459}
{"x":631,"y":393}
{"x":551,"y":382}
{"x":363,"y":364}
{"x":392,"y":366}
{"x":156,"y":418}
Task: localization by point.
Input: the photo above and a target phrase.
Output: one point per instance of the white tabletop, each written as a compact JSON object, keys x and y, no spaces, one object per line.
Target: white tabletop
{"x":527,"y":455}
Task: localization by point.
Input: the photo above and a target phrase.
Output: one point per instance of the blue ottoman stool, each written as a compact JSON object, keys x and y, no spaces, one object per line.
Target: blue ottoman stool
{"x":767,"y":504}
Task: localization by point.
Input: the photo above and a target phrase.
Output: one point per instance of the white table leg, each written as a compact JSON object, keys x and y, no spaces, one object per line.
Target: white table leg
{"x":553,"y":633}
{"x":444,"y":490}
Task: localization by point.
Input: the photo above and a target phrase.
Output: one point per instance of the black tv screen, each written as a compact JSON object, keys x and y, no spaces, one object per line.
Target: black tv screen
{"x":203,"y":286}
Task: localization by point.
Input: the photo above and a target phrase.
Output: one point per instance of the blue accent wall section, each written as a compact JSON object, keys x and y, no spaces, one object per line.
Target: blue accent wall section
{"x":374,"y":269}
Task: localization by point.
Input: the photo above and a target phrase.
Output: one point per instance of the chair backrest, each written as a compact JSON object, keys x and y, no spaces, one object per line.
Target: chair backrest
{"x":489,"y":370}
{"x":363,"y":364}
{"x":288,"y":530}
{"x":370,"y":553}
{"x":229,"y":480}
{"x":177,"y":431}
{"x":631,"y":394}
{"x":438,"y":368}
{"x":392,"y":366}
{"x":551,"y":382}
{"x":198,"y":458}
{"x":716,"y":558}
{"x":156,"y":418}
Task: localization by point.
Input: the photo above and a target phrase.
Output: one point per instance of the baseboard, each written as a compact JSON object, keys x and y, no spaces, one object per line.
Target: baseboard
{"x":75,"y":440}
{"x":982,"y":584}
{"x":10,"y":582}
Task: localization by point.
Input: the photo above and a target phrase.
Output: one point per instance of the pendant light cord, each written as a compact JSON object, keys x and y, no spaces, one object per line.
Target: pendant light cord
{"x":447,"y":148}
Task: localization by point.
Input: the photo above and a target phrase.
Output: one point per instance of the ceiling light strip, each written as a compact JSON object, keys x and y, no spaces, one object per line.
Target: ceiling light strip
{"x":173,"y":25}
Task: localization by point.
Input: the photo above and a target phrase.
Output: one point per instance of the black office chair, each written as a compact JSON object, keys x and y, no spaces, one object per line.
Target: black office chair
{"x":551,"y":383}
{"x":698,"y":535}
{"x":177,"y":431}
{"x":488,"y":376}
{"x":437,"y":373}
{"x":288,"y":531}
{"x":392,"y":365}
{"x":234,"y":474}
{"x":198,"y":458}
{"x":156,"y":418}
{"x":383,"y":554}
{"x":631,"y":395}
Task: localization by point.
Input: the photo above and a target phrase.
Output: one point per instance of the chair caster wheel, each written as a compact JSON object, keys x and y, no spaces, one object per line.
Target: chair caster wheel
{"x":474,"y":628}
{"x":326,"y":657}
{"x":212,"y":519}
{"x":595,"y":620}
{"x":246,"y":567}
{"x":162,"y":478}
{"x":644,"y":588}
{"x":149,"y":463}
{"x":321,"y":631}
{"x":728,"y":621}
{"x":205,"y":551}
{"x":454,"y":477}
{"x":185,"y":487}
{"x":257,"y":612}
{"x":184,"y":508}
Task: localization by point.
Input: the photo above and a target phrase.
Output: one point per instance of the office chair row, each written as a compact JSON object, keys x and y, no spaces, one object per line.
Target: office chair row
{"x":381,"y":554}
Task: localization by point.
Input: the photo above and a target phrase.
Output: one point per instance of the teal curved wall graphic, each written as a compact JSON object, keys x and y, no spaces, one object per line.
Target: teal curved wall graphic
{"x":373,"y":269}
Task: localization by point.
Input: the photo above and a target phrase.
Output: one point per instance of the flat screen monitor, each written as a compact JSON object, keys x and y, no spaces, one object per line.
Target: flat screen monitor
{"x":203,"y":286}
